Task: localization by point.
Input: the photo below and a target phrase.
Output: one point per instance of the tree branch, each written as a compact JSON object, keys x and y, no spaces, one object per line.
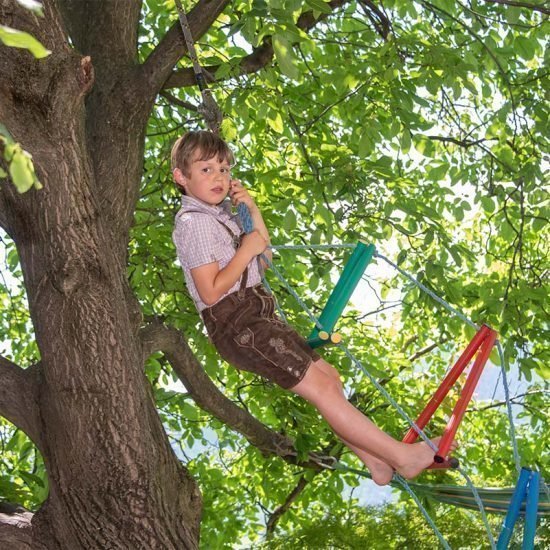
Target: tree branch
{"x":255,"y":61}
{"x":176,"y":101}
{"x":171,"y":48}
{"x":159,"y":337}
{"x":19,"y":397}
{"x":527,"y":5}
{"x":251,"y":63}
{"x":462,"y":142}
{"x":516,"y":400}
{"x":279,"y":511}
{"x":15,"y":527}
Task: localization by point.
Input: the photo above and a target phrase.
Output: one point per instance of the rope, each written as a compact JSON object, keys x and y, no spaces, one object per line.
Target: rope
{"x":248,"y":227}
{"x":479,"y":503}
{"x":209,"y":109}
{"x":439,"y":300}
{"x":248,"y":224}
{"x":407,"y":488}
{"x":310,"y":246}
{"x":503,"y":365}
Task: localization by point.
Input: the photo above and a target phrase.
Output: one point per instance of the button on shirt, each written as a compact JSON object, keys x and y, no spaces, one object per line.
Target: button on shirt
{"x":201,"y":239}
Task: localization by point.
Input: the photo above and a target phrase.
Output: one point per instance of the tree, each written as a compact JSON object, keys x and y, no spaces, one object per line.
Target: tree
{"x":421,"y":122}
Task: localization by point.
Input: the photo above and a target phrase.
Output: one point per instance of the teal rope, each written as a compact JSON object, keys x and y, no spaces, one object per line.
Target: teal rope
{"x":479,"y":503}
{"x":427,"y":516}
{"x":311,"y":246}
{"x":503,"y":365}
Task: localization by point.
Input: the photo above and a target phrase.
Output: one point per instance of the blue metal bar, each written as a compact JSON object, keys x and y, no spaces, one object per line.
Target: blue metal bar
{"x":513,"y":509}
{"x":531,"y":512}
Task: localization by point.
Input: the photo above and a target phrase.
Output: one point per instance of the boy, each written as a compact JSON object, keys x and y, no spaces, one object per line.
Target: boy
{"x":223,"y":275}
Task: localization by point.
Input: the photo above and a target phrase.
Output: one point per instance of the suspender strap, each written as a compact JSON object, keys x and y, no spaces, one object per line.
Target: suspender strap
{"x":236,"y":243}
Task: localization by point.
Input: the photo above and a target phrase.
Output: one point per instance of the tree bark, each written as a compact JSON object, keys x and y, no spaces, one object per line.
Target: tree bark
{"x":15,"y":527}
{"x":114,"y":480}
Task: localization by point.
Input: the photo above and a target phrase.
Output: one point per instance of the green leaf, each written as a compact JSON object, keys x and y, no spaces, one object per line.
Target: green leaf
{"x":275,"y":120}
{"x":19,"y":39}
{"x":525,"y":47}
{"x":21,"y":172}
{"x":284,"y":56}
{"x":319,"y":5}
{"x":289,"y":221}
{"x":31,"y":479}
{"x":488,"y":204}
{"x":228,"y":129}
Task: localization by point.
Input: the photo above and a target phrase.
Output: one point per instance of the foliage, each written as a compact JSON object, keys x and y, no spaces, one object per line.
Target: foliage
{"x":20,"y":166}
{"x":19,"y":162}
{"x":419,"y":126}
{"x":387,"y":528}
{"x":19,"y":39}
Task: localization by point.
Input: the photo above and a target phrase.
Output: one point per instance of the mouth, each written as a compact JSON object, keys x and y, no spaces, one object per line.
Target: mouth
{"x":217,"y":190}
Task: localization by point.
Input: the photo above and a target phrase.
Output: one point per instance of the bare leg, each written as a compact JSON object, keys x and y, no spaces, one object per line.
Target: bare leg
{"x":381,"y":472}
{"x":374,"y":447}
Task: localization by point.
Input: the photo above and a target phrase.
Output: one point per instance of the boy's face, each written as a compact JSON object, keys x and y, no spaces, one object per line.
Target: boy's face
{"x":206,"y":180}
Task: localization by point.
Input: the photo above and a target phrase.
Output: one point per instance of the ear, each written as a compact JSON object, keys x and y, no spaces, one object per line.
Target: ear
{"x":179,"y":177}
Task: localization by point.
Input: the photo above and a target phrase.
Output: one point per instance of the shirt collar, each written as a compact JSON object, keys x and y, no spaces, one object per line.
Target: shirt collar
{"x":192,"y":204}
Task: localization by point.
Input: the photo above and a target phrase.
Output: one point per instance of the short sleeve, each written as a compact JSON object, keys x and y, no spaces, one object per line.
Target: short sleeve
{"x":197,"y":240}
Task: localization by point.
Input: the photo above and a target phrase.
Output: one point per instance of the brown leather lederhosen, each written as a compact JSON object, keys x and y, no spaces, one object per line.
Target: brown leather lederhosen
{"x":247,"y":333}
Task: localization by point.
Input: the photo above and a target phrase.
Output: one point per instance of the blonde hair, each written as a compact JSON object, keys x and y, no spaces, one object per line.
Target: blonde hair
{"x":208,"y":144}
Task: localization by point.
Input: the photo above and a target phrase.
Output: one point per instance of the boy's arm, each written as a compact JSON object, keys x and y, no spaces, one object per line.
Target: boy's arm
{"x":212,"y":282}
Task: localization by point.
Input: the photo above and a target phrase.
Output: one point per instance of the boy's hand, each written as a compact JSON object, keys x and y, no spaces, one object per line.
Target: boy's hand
{"x":240,"y":195}
{"x":254,"y":243}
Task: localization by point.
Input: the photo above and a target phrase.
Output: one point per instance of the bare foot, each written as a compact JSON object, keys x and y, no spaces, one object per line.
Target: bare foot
{"x":381,"y":473}
{"x":417,"y":457}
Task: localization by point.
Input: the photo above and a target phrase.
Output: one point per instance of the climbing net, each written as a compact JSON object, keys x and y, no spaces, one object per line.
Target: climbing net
{"x":399,"y":480}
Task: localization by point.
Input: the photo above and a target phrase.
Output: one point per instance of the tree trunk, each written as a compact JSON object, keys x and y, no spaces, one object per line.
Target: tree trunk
{"x":114,"y":480}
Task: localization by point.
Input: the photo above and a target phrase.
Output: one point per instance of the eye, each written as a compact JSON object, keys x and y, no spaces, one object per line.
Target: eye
{"x":206,"y":170}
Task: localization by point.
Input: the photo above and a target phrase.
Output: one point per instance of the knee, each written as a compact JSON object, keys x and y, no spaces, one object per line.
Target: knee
{"x":334,"y":376}
{"x":332,"y":384}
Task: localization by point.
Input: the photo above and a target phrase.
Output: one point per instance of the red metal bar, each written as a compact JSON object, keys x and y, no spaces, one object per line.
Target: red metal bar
{"x":465,"y":396}
{"x":451,"y":377}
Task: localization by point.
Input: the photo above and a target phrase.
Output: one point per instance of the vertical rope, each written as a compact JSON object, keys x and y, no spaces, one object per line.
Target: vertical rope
{"x":209,"y":109}
{"x":425,"y":513}
{"x":479,"y":503}
{"x":503,"y":366}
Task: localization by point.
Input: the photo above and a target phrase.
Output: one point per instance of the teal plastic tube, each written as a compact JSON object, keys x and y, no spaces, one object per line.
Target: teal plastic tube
{"x":531,"y":511}
{"x":353,"y":271}
{"x":513,"y":510}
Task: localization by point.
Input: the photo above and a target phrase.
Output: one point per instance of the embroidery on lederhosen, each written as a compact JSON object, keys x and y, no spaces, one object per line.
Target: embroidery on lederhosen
{"x":244,"y":338}
{"x":280,"y":347}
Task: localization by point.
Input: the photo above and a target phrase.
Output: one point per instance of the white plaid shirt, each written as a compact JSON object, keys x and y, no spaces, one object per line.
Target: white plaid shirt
{"x":200,"y":239}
